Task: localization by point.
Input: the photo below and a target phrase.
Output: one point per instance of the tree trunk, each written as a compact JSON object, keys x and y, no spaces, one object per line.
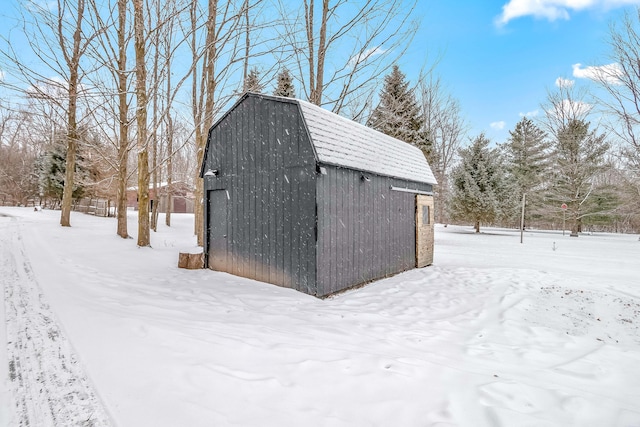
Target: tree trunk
{"x":121,"y":202}
{"x":73,"y":62}
{"x":247,"y":42}
{"x":169,"y":120}
{"x":576,"y":227}
{"x":196,"y":107}
{"x":477,"y":226}
{"x":198,"y":208}
{"x":206,"y":119}
{"x":308,"y":14}
{"x":156,"y":192}
{"x":123,"y":113}
{"x":67,"y":192}
{"x":141,"y":121}
{"x":169,"y":208}
{"x":322,"y":53}
{"x":144,"y":238}
{"x":441,"y":200}
{"x":316,"y":70}
{"x":154,"y":124}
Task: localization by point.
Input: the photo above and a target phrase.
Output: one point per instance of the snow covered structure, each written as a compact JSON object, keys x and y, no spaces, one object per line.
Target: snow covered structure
{"x":302,"y":198}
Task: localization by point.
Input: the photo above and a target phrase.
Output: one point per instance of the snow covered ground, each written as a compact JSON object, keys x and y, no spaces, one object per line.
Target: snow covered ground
{"x":495,"y":333}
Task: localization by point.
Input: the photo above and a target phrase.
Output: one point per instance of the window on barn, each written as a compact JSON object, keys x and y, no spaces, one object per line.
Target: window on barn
{"x":425,"y":214}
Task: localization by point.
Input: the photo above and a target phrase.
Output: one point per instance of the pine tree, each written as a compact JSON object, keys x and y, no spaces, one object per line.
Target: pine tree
{"x":398,"y":113}
{"x":579,"y":156}
{"x":252,"y":82}
{"x":526,"y":156}
{"x":285,"y":85}
{"x":50,"y":168}
{"x":51,"y":171}
{"x":478,"y":184}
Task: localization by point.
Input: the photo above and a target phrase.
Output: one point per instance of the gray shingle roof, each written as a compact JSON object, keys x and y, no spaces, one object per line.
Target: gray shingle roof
{"x":341,"y":142}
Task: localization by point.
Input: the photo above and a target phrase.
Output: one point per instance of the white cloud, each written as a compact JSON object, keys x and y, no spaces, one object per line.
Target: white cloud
{"x":498,"y":125}
{"x":568,"y":108}
{"x":553,"y":10}
{"x":367,"y":54}
{"x":533,"y":113}
{"x":562,"y":82}
{"x":580,"y":108}
{"x":609,"y":73}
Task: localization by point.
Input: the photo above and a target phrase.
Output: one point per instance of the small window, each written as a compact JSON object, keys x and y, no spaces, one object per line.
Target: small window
{"x":425,"y":215}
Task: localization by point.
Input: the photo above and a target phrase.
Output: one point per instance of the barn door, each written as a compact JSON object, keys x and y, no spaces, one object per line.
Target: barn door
{"x":424,"y":230}
{"x":218,"y":230}
{"x":179,"y":204}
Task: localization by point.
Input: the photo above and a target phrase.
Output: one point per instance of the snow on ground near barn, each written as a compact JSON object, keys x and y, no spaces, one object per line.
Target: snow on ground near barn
{"x":495,"y":333}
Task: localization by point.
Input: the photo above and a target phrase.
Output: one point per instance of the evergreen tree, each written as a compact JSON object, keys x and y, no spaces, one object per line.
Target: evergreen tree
{"x":398,"y":113}
{"x":526,"y":156}
{"x":285,"y":85}
{"x":252,"y":82}
{"x":579,"y":156}
{"x":478,"y":184}
{"x":51,"y":169}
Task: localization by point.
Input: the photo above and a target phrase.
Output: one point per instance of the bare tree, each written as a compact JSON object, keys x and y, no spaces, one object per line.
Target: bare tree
{"x":621,"y":83}
{"x":247,"y":40}
{"x":123,"y":120}
{"x":141,"y":122}
{"x":110,"y":85}
{"x":214,"y":62}
{"x":203,"y":91}
{"x":169,"y":130}
{"x":446,"y":129}
{"x":564,"y":105}
{"x":166,"y":46}
{"x":363,"y":42}
{"x":163,"y":46}
{"x":155,"y":39}
{"x":163,"y":93}
{"x":18,"y":156}
{"x":72,"y":58}
{"x":170,"y":137}
{"x":56,"y":38}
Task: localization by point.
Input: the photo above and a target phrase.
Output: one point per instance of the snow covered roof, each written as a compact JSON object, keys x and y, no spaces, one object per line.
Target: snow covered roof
{"x":342,"y":142}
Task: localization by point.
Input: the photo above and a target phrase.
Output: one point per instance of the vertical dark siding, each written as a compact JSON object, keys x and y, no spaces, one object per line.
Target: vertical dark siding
{"x":365,"y":230}
{"x":267,"y":165}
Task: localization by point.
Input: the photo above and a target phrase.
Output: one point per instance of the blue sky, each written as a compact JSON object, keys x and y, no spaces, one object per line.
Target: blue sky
{"x":499,"y":57}
{"x":502,"y":65}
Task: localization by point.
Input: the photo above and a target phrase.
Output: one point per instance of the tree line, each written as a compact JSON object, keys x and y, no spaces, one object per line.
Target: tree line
{"x":139,"y":84}
{"x":555,"y":170}
{"x":579,"y":162}
{"x":107,"y":95}
{"x":560,"y":170}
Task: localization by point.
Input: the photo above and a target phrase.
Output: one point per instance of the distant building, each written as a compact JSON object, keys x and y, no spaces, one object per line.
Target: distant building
{"x":300,"y":197}
{"x":182,"y":199}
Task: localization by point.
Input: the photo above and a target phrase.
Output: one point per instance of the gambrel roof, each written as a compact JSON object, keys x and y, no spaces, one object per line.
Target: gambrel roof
{"x":342,"y":142}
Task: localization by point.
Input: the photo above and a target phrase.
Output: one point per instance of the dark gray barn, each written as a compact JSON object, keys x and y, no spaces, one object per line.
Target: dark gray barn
{"x":302,"y":198}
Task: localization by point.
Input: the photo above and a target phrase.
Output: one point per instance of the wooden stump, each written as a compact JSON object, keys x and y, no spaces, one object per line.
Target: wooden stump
{"x":191,"y":261}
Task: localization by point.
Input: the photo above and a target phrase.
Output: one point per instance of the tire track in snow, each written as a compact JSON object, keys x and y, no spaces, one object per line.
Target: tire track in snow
{"x":48,"y":384}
